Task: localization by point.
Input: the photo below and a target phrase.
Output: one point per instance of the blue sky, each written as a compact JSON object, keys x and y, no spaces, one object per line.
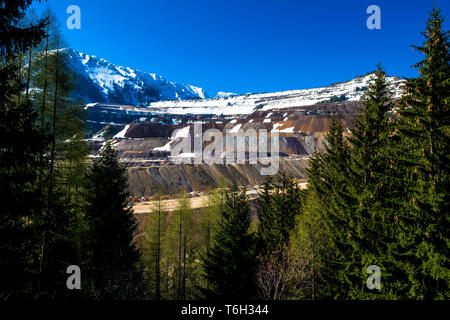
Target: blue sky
{"x":251,"y":46}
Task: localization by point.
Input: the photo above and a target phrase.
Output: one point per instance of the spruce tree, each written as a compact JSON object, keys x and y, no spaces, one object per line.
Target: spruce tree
{"x":268,"y":235}
{"x":327,"y":177}
{"x":369,"y":180}
{"x":17,"y":39}
{"x":114,"y":257}
{"x":230,"y":264}
{"x":20,"y":145}
{"x":279,"y":204}
{"x":424,"y":134}
{"x":208,"y":222}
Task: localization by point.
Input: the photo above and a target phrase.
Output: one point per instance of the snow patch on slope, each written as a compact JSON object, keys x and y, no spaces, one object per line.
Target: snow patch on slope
{"x":177,"y":134}
{"x":121,"y":134}
{"x":278,"y":125}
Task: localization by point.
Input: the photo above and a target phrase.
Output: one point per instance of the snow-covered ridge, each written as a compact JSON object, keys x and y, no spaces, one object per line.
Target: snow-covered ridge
{"x":101,"y":81}
{"x":224,"y":95}
{"x":352,"y":90}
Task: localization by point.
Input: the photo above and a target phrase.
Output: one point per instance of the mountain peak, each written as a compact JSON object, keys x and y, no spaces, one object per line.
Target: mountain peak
{"x":102,"y":81}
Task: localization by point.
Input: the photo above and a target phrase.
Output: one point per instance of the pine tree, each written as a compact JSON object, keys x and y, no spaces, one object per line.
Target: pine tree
{"x":115,"y":273}
{"x":230,"y":264}
{"x":423,"y":131}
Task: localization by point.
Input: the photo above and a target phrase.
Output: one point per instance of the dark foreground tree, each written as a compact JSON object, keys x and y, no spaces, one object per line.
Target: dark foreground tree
{"x":20,"y":145}
{"x":114,"y":258}
{"x":230,"y":263}
{"x":60,"y":225}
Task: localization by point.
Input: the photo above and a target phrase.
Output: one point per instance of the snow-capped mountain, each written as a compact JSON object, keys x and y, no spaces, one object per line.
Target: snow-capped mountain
{"x":101,"y":81}
{"x":224,"y":95}
{"x":352,"y":90}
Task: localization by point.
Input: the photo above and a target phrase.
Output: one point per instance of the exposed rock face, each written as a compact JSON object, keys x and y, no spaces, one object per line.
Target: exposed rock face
{"x":145,"y":147}
{"x":170,"y":179}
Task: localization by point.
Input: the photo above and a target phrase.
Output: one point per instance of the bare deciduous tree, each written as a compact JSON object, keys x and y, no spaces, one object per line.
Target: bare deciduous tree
{"x":284,"y":271}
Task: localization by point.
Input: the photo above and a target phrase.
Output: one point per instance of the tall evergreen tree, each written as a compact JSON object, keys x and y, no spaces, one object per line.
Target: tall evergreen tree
{"x":424,"y":134}
{"x":279,"y":204}
{"x":20,"y":145}
{"x":115,"y":273}
{"x":372,"y":215}
{"x":230,"y":264}
{"x":327,"y":177}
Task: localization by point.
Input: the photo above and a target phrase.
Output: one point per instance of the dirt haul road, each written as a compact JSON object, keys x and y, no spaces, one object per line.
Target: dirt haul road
{"x":198,"y":202}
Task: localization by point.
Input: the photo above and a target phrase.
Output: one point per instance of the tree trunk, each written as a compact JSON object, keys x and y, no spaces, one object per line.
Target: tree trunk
{"x":29,"y":72}
{"x":53,"y":145}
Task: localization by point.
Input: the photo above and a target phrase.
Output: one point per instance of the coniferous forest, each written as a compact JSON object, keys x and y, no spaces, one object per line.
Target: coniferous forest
{"x":376,"y":197}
